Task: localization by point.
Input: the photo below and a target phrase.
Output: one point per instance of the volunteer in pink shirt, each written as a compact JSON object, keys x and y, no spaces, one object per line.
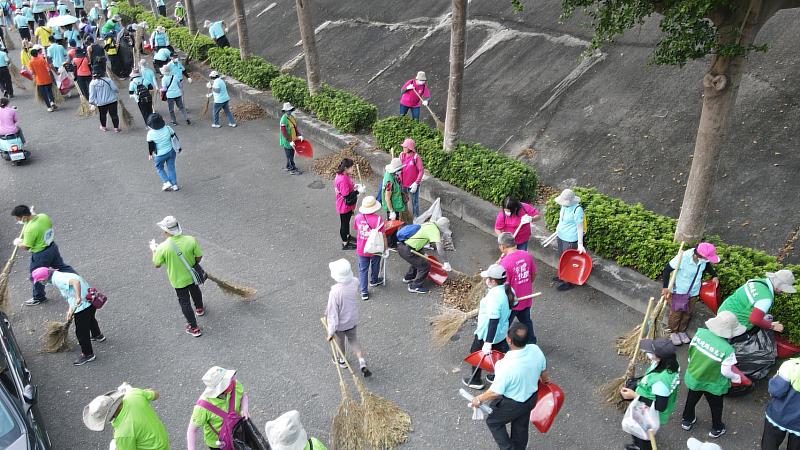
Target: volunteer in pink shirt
{"x":369,"y":265}
{"x":346,"y":199}
{"x":411,"y":173}
{"x":520,"y":272}
{"x":8,"y":119}
{"x":410,"y":100}
{"x":508,"y":220}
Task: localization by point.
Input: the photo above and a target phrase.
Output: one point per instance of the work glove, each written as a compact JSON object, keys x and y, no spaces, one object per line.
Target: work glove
{"x":413,"y":187}
{"x":477,"y":414}
{"x":133,"y":97}
{"x":446,"y":266}
{"x":301,"y":138}
{"x":292,"y":144}
{"x":392,"y":215}
{"x":208,"y":85}
{"x":409,"y":87}
{"x":777,"y":327}
{"x":92,"y":107}
{"x":527,"y":219}
{"x":385,"y":254}
{"x":209,"y":95}
{"x":17,"y":242}
{"x":425,"y":103}
{"x":360,"y":188}
{"x":189,"y":79}
{"x":226,"y":29}
{"x":487,"y":348}
{"x":581,"y":249}
{"x":153,"y":245}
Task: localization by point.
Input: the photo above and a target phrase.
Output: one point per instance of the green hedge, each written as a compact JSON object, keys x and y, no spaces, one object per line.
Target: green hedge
{"x":471,"y":167}
{"x":253,"y":71}
{"x":180,"y":37}
{"x":642,"y":240}
{"x":347,"y":112}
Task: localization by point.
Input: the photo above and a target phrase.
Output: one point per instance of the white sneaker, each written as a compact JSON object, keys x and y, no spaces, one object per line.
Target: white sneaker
{"x":214,"y":125}
{"x":166,"y":186}
{"x":175,"y":187}
{"x":232,"y":125}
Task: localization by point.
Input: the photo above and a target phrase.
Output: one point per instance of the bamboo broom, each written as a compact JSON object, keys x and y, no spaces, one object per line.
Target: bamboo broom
{"x":347,"y":426}
{"x":385,"y":425}
{"x":84,"y":109}
{"x":610,"y":391}
{"x":5,"y":296}
{"x":126,"y":116}
{"x":56,"y":336}
{"x":204,"y":114}
{"x":16,"y":77}
{"x":9,"y":43}
{"x":627,"y":342}
{"x":233,"y":288}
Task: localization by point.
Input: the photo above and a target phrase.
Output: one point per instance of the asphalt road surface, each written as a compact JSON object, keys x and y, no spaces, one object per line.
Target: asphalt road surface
{"x":262,"y":227}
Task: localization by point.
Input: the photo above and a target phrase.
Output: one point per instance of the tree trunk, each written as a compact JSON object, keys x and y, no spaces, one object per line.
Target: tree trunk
{"x":131,"y":3}
{"x":191,"y":21}
{"x":309,"y":44}
{"x":458,"y":31}
{"x":241,"y":27}
{"x":720,"y":87}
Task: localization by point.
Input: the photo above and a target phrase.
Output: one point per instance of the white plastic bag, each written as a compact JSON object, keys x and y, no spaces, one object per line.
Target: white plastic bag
{"x":374,"y":243}
{"x":639,"y":419}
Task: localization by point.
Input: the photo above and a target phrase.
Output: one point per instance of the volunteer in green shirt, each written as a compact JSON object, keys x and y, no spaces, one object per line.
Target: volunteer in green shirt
{"x":180,"y":277}
{"x":752,"y":301}
{"x":289,"y":134}
{"x":222,"y":390}
{"x":38,"y":238}
{"x":429,"y":232}
{"x":136,"y":424}
{"x":710,"y":369}
{"x":660,"y":385}
{"x":287,"y":433}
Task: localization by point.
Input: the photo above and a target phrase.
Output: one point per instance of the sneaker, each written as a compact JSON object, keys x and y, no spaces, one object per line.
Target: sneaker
{"x":295,"y":172}
{"x":378,"y":282}
{"x":175,"y":187}
{"x":472,"y":383}
{"x":687,"y":425}
{"x":685,"y":338}
{"x":556,"y":278}
{"x":216,"y":125}
{"x":34,"y":301}
{"x":675,"y":338}
{"x":200,"y":311}
{"x":490,"y":378}
{"x":166,"y":186}
{"x":407,"y":280}
{"x":417,"y":289}
{"x":349,"y":246}
{"x":188,"y":122}
{"x":341,"y":362}
{"x":366,"y":372}
{"x":717,"y":433}
{"x":565,"y":286}
{"x":174,"y":122}
{"x":55,"y":107}
{"x":100,"y":338}
{"x":194,"y":331}
{"x":102,"y":128}
{"x":83,"y":360}
{"x":116,"y":130}
{"x":364,"y":296}
{"x":232,"y":125}
{"x":51,"y":110}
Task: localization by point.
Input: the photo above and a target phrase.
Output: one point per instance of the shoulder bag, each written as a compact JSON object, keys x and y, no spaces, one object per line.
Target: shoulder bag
{"x":199,"y":275}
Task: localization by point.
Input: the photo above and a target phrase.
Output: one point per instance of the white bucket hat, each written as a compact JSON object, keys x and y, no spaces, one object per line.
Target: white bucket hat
{"x":99,"y":411}
{"x":725,"y":325}
{"x":567,"y":198}
{"x":443,"y":223}
{"x":206,"y":24}
{"x":287,"y":107}
{"x":170,"y":225}
{"x":783,"y":280}
{"x":694,"y":444}
{"x":369,"y":205}
{"x":341,"y":271}
{"x":421,"y":76}
{"x":286,"y":432}
{"x":217,"y":379}
{"x":213,"y":74}
{"x":495,"y":271}
{"x":394,"y":166}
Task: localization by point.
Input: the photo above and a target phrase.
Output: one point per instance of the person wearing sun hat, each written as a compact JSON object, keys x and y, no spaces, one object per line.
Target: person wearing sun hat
{"x":180,"y":14}
{"x":392,"y":195}
{"x":369,"y":265}
{"x":342,"y":312}
{"x":752,"y":301}
{"x":136,"y":424}
{"x":410,"y":94}
{"x":412,"y":172}
{"x":570,"y":227}
{"x":419,"y":266}
{"x":159,"y":39}
{"x":219,"y":91}
{"x":222,"y":391}
{"x":289,"y":133}
{"x":693,"y":265}
{"x":782,"y":416}
{"x":287,"y":433}
{"x":177,"y":251}
{"x":709,"y":371}
{"x":217,"y":32}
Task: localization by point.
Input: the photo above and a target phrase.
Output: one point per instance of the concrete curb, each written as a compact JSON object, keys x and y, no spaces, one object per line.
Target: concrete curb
{"x":621,"y":283}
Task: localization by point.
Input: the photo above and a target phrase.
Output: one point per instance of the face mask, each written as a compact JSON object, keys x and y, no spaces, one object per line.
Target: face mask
{"x":652,"y":357}
{"x":488,"y":283}
{"x":421,"y":82}
{"x":507,"y":212}
{"x":20,"y":222}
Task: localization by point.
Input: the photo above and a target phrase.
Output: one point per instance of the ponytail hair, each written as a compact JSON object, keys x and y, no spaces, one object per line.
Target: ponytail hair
{"x":344,"y":165}
{"x":509,"y":292}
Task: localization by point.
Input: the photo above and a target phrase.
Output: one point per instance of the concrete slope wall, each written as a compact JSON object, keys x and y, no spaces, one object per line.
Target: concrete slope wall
{"x":610,"y":121}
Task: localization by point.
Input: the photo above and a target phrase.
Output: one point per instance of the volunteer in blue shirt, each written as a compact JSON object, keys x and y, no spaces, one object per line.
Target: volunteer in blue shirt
{"x":513,"y":393}
{"x":28,"y":13}
{"x":176,"y":67}
{"x":221,"y":99}
{"x":71,"y":34}
{"x":56,"y":53}
{"x":141,"y":91}
{"x":570,"y":227}
{"x":21,"y":22}
{"x":80,"y":10}
{"x":160,"y":151}
{"x":62,"y":8}
{"x":162,"y":8}
{"x":5,"y":75}
{"x":38,"y":10}
{"x":160,"y":58}
{"x":148,"y":74}
{"x":159,"y":39}
{"x":171,"y":84}
{"x":217,"y":32}
{"x":493,"y":314}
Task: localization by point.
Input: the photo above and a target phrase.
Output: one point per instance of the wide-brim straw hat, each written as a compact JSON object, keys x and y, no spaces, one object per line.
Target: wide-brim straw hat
{"x":369,"y":205}
{"x":97,"y":413}
{"x":170,"y":225}
{"x":286,"y":432}
{"x":217,"y":380}
{"x":783,"y":280}
{"x":725,"y":325}
{"x":567,"y":198}
{"x":287,"y":107}
{"x":421,"y":76}
{"x":394,"y":166}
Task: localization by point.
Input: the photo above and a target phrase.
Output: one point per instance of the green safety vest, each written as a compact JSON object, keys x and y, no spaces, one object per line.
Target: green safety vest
{"x":670,"y":379}
{"x":397,"y":196}
{"x":290,"y":123}
{"x":743,"y":300}
{"x":706,"y":353}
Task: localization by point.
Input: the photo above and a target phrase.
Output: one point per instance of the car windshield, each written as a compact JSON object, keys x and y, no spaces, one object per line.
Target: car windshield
{"x":9,"y":428}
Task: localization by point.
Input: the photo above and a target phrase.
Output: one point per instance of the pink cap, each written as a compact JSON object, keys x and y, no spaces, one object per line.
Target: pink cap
{"x":707,"y":251}
{"x":40,"y":274}
{"x":409,"y":144}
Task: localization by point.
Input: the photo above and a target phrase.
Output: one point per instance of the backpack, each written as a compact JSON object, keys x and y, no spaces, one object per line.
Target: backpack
{"x":230,"y":419}
{"x":406,"y":231}
{"x":143,"y":94}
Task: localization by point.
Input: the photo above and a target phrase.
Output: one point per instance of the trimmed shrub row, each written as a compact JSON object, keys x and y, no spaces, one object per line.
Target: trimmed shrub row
{"x":642,"y":240}
{"x":472,"y":167}
{"x":253,"y":71}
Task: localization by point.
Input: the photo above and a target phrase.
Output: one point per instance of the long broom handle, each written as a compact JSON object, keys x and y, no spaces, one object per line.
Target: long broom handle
{"x":430,"y":260}
{"x":652,"y":436}
{"x":426,"y":106}
{"x":358,"y":171}
{"x":335,"y":343}
{"x":632,"y":365}
{"x":474,"y":312}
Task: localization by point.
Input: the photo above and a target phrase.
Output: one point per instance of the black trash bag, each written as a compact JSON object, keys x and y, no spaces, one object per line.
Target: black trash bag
{"x":756,"y":353}
{"x":247,"y":437}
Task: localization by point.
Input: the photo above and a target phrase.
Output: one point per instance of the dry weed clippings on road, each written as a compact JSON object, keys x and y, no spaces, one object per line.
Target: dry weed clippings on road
{"x":458,"y":292}
{"x":243,"y":111}
{"x":326,"y":166}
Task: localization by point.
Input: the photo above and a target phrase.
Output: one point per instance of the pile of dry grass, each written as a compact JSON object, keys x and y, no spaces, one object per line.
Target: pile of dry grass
{"x":326,"y":166}
{"x":243,"y":111}
{"x":462,"y":292}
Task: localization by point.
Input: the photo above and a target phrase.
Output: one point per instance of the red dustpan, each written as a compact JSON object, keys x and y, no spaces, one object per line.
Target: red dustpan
{"x":436,"y":274}
{"x":477,"y":358}
{"x":785,"y":348}
{"x":745,"y":381}
{"x":391,"y":226}
{"x":574,"y":267}
{"x":709,"y":294}
{"x":303,"y":149}
{"x":550,"y":397}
